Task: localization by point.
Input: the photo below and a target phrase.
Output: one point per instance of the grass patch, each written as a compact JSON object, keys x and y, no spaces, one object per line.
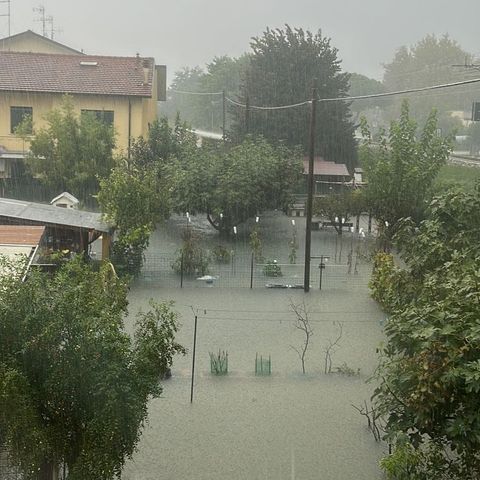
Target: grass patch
{"x":462,"y":176}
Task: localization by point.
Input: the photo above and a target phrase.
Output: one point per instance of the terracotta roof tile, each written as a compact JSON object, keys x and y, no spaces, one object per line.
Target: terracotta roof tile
{"x":322,"y":167}
{"x":75,"y":74}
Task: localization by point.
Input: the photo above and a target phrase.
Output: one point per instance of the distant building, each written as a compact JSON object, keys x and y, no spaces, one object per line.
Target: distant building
{"x":32,"y":42}
{"x":120,"y":91}
{"x":329,"y":177}
{"x":65,"y":200}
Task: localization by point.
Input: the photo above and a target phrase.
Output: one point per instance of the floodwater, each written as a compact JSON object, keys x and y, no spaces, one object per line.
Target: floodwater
{"x":284,"y":426}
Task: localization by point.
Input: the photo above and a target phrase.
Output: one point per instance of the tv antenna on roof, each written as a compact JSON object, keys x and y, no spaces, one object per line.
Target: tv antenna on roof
{"x":52,"y":30}
{"x":43,"y":18}
{"x":8,"y":14}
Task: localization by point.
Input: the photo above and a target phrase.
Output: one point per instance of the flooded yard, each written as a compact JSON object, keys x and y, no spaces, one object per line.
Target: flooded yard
{"x":283,"y":426}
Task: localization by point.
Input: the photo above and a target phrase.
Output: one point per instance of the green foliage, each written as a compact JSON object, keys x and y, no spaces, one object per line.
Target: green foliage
{"x":429,"y":373}
{"x":206,"y":111}
{"x":73,"y":386}
{"x":219,"y":363}
{"x":293,"y":245}
{"x":71,"y":153}
{"x":221,"y":254}
{"x":344,"y":369}
{"x":464,"y":177}
{"x":132,"y":199}
{"x":282,"y":66}
{"x":256,"y":245}
{"x":362,"y":85}
{"x":272,"y":269}
{"x":192,"y":258}
{"x":409,"y":463}
{"x":339,"y":207}
{"x":429,"y":62}
{"x":234,"y":185}
{"x":401,"y":169}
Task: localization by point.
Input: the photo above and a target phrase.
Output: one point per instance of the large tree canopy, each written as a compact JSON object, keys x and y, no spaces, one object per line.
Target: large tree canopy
{"x":234,"y":185}
{"x":429,"y":377}
{"x":282,"y":68}
{"x":73,"y":386}
{"x":430,"y":62}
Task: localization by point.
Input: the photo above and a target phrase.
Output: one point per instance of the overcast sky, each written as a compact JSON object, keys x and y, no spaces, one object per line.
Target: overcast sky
{"x":188,"y":32}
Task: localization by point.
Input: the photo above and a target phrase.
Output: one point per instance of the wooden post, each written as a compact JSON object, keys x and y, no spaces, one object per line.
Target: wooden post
{"x":106,"y":242}
{"x":193,"y":358}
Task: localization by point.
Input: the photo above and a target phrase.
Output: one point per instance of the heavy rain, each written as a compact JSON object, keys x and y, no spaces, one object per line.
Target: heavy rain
{"x":239,"y":243}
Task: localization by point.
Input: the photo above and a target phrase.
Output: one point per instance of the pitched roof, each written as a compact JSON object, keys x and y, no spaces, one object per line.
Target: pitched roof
{"x":322,"y":167}
{"x":66,"y":195}
{"x":76,"y":74}
{"x":52,"y":215}
{"x":32,"y":34}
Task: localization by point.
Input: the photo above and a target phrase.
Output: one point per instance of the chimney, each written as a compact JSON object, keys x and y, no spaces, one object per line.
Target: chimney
{"x":146,"y":71}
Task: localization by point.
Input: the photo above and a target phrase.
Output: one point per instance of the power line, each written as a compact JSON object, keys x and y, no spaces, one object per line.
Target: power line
{"x":401,"y":92}
{"x":195,"y":93}
{"x":360,"y":97}
{"x":281,"y":107}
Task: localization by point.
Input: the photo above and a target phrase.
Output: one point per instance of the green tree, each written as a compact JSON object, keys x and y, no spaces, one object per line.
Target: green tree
{"x":283,"y":64}
{"x":74,"y":386}
{"x":234,"y":185}
{"x":71,"y":153}
{"x":206,"y":111}
{"x":134,"y":200}
{"x":339,"y":207}
{"x":428,"y":378}
{"x":429,"y":62}
{"x":401,"y":169}
{"x":363,"y":85}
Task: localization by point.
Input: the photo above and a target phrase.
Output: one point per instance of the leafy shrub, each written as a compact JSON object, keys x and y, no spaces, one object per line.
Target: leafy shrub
{"x":220,"y":254}
{"x":191,"y":255}
{"x":272,"y":269}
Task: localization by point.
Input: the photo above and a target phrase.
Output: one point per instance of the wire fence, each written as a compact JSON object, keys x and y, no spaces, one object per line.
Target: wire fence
{"x":244,"y":271}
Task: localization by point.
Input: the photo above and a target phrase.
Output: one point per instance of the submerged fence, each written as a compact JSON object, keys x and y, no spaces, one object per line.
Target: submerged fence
{"x":245,"y":271}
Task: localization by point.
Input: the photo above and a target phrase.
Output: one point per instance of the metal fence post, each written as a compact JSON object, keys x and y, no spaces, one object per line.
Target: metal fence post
{"x":181,"y":271}
{"x":251,"y":270}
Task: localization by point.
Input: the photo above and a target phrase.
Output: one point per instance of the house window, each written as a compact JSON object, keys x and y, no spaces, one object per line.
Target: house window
{"x":104,"y":116}
{"x":17,"y":115}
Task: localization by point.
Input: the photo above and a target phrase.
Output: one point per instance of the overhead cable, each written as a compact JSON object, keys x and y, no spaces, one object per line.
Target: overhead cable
{"x":196,"y":93}
{"x":281,"y":107}
{"x":359,"y":97}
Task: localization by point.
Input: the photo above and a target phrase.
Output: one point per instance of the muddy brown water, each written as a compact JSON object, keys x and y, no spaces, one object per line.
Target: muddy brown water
{"x":284,"y":426}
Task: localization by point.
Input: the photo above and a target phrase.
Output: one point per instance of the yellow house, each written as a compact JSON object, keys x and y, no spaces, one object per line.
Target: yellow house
{"x":122,"y":91}
{"x":29,"y":41}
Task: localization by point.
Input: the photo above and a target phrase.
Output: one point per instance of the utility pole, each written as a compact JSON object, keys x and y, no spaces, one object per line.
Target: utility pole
{"x":8,"y":15}
{"x":224,"y":120}
{"x":309,"y":206}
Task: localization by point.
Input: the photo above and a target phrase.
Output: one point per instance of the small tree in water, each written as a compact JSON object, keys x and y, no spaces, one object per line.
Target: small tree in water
{"x":191,"y":258}
{"x":302,"y":323}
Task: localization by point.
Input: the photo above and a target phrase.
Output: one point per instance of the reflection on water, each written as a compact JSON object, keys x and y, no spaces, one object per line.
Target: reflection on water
{"x":283,"y":426}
